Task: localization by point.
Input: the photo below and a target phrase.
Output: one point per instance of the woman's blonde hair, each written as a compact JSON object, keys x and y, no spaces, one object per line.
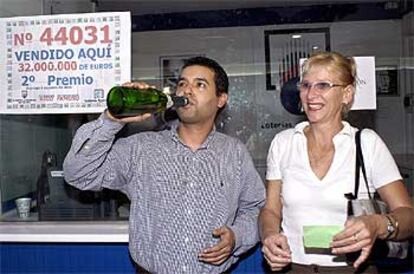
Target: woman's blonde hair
{"x":342,"y":66}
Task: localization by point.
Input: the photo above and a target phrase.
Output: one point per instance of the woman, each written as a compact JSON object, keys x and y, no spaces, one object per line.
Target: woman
{"x":311,"y":167}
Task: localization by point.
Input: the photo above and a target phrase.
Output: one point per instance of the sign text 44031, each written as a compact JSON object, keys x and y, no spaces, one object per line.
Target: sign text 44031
{"x":75,"y":35}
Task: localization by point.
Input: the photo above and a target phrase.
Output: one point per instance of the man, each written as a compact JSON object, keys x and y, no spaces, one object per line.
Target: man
{"x":195,"y":194}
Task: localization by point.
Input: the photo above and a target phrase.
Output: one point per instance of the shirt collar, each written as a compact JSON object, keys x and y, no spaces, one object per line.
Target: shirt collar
{"x":346,"y":130}
{"x":176,"y":138}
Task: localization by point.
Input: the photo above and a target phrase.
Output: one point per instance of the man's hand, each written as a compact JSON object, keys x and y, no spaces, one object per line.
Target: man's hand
{"x":133,"y":119}
{"x":217,"y":254}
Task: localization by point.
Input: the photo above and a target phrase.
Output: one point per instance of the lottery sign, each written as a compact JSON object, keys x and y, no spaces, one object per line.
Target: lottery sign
{"x":63,"y":63}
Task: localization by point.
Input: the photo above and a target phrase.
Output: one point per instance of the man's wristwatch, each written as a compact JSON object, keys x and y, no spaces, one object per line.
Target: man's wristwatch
{"x":391,"y":226}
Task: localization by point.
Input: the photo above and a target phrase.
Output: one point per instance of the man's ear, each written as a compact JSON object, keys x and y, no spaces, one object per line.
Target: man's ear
{"x":222,"y":100}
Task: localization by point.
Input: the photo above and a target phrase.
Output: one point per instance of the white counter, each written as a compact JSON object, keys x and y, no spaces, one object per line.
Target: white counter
{"x":67,"y":232}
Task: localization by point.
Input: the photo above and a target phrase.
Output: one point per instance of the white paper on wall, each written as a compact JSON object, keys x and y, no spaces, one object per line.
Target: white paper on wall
{"x":365,"y":94}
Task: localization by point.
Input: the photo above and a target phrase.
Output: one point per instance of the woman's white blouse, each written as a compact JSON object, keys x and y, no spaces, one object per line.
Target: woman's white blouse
{"x":307,"y":200}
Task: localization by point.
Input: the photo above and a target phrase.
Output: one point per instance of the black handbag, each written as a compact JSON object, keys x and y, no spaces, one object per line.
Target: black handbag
{"x":372,"y":205}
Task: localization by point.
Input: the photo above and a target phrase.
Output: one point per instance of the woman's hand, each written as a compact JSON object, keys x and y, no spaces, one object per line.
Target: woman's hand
{"x":276,"y":251}
{"x":360,"y":233}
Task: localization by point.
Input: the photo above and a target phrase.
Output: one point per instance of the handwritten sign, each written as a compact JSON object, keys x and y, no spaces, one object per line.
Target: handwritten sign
{"x":63,"y":63}
{"x":366,"y":91}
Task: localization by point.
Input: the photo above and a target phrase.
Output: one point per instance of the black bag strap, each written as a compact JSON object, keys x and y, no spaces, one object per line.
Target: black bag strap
{"x":359,"y":165}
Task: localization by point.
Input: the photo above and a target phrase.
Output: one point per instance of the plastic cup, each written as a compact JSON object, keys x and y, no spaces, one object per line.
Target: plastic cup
{"x":23,"y":207}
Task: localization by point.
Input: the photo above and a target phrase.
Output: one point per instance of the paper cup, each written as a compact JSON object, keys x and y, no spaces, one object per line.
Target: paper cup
{"x":23,"y":207}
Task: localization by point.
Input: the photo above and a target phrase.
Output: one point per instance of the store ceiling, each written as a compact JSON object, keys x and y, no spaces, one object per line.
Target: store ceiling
{"x":9,"y":8}
{"x":139,"y":7}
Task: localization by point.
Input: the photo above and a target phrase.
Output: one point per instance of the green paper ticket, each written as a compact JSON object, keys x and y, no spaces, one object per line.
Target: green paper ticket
{"x":319,"y":236}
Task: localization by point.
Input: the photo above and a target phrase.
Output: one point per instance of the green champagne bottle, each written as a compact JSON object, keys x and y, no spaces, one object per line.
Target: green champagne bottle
{"x":126,"y":101}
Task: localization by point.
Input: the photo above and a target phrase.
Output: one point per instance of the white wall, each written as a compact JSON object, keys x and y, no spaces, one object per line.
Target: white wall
{"x":11,"y":8}
{"x":382,"y":40}
{"x":407,"y":79}
{"x":241,"y":52}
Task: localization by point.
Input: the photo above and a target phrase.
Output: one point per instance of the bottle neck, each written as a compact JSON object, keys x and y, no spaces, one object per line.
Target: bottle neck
{"x":170,"y":101}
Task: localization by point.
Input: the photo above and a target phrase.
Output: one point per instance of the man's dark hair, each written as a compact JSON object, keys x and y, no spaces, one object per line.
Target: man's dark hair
{"x":220,"y":76}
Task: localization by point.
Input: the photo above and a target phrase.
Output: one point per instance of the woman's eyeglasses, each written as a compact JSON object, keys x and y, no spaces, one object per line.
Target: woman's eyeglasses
{"x":319,"y":87}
